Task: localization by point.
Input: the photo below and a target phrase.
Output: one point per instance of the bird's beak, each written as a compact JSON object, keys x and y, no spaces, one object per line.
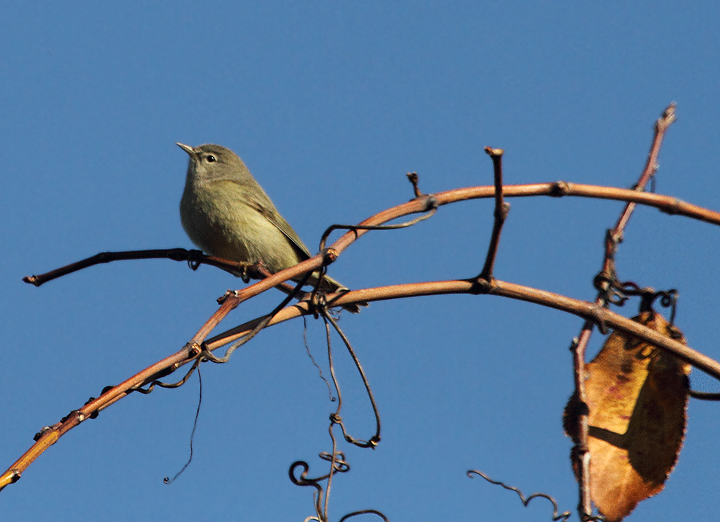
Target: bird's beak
{"x":188,"y":149}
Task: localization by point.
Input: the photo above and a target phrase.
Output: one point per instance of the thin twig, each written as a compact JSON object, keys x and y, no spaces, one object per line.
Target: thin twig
{"x":260,"y":325}
{"x":583,"y":309}
{"x":192,"y":257}
{"x":500,"y":214}
{"x":580,"y":452}
{"x":667,"y":204}
{"x":651,"y":165}
{"x":192,"y":348}
{"x":414,"y":179}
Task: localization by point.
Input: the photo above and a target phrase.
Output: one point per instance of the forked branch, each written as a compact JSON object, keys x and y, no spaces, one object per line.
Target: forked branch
{"x":199,"y":344}
{"x":613,"y":238}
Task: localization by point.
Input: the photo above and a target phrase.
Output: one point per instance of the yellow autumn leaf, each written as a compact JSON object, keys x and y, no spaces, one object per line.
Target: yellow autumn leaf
{"x":637,"y":397}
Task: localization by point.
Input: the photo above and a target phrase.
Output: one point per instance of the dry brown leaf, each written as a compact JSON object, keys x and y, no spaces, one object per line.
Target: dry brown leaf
{"x":637,"y":397}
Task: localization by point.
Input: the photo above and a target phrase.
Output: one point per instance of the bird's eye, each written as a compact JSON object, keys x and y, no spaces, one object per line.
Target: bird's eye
{"x":211,"y":158}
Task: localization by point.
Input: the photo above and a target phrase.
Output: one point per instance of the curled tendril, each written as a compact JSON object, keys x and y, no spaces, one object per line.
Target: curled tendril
{"x":628,"y":288}
{"x":338,"y":461}
{"x":704,"y":396}
{"x":168,"y":480}
{"x":431,"y":207}
{"x":338,"y":465}
{"x":615,"y":296}
{"x":610,"y":289}
{"x":312,"y":359}
{"x":156,"y":382}
{"x":364,"y":512}
{"x":302,"y":479}
{"x":207,"y":354}
{"x":563,"y":516}
{"x":298,"y":470}
{"x":668,"y":299}
{"x":335,"y":418}
{"x":616,"y":293}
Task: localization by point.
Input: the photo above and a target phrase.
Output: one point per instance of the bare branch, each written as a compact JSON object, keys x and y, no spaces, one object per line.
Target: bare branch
{"x":592,"y":312}
{"x":613,"y":238}
{"x":667,"y":204}
{"x":584,"y":309}
{"x":500,"y":214}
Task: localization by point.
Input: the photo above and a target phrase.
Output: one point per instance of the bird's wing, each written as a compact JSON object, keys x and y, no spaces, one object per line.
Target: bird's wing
{"x":265,"y":206}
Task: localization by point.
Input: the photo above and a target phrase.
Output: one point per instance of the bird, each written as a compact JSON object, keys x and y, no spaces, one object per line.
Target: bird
{"x":227,"y":214}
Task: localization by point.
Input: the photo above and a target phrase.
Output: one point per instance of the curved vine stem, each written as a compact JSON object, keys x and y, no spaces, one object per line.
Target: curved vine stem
{"x":590,"y":311}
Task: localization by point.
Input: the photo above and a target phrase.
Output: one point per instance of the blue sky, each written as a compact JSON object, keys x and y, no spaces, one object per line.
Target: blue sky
{"x":330,"y":104}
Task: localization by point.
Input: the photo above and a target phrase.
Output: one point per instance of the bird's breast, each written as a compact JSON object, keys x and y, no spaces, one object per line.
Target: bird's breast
{"x":220,"y":221}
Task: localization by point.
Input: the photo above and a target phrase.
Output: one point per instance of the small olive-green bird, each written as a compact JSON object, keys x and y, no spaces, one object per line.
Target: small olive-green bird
{"x":227,"y":214}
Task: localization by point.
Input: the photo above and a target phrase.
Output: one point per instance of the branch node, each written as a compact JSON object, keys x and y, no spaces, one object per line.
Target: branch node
{"x":33,"y":280}
{"x":227,"y":295}
{"x":560,"y":189}
{"x":329,"y":256}
{"x":42,"y":432}
{"x":667,"y":118}
{"x":502,"y":212}
{"x":673,"y":208}
{"x":431,"y":203}
{"x":613,"y":237}
{"x":482,"y":285}
{"x":597,"y":315}
{"x":193,"y":349}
